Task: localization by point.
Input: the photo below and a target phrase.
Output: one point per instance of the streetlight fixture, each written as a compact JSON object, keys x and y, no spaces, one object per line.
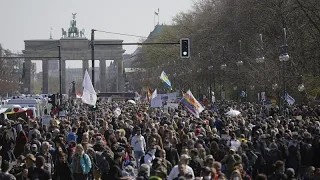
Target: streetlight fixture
{"x":239,"y":63}
{"x":223,"y":66}
{"x":284,"y":57}
{"x":274,"y":86}
{"x":260,"y":58}
{"x":301,"y":88}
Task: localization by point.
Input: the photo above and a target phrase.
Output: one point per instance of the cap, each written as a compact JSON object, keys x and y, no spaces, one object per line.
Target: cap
{"x":232,"y":148}
{"x":34,"y":146}
{"x":185,"y":157}
{"x":209,"y":157}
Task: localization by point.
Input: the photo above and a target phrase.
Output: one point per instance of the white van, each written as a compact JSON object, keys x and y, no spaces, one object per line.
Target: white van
{"x":29,"y":103}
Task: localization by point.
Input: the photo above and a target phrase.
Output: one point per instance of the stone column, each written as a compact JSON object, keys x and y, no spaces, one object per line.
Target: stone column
{"x":103,"y":82}
{"x":63,"y":76}
{"x":27,"y":76}
{"x":45,"y":75}
{"x":120,"y":77}
{"x":85,"y":66}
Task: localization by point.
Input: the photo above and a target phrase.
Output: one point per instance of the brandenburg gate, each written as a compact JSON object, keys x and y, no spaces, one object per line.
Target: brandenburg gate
{"x":74,"y":46}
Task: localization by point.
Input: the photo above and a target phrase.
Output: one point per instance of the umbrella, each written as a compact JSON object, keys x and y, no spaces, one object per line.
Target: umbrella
{"x":233,"y":113}
{"x":131,"y":101}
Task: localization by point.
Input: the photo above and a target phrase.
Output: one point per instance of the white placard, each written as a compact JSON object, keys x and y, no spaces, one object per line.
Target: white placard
{"x":46,"y":120}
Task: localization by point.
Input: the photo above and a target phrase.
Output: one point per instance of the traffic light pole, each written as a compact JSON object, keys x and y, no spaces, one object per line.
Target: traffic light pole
{"x":60,"y":81}
{"x":60,"y":75}
{"x":92,"y":62}
{"x":92,"y":54}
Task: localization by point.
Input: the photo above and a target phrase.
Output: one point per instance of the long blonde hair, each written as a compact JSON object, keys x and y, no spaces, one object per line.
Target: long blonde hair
{"x":79,"y":147}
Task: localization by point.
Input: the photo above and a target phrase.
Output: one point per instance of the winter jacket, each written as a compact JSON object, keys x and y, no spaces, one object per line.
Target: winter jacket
{"x":85,"y":163}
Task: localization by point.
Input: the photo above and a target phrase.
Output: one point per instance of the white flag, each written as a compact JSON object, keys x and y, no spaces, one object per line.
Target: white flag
{"x":154,"y":94}
{"x":89,"y":95}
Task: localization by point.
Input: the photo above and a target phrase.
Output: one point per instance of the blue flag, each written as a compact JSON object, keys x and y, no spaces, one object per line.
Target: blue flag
{"x":243,"y":93}
{"x":165,"y":79}
{"x":289,"y":99}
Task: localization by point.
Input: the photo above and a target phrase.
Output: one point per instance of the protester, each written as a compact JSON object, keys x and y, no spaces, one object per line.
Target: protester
{"x":148,"y":143}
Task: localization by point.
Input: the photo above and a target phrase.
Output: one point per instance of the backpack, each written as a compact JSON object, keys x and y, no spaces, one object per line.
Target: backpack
{"x":103,"y":159}
{"x":34,"y":175}
{"x":307,"y":154}
{"x":252,"y":157}
{"x":142,"y":158}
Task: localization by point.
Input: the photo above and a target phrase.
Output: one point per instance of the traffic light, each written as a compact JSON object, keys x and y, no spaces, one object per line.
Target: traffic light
{"x":52,"y":100}
{"x":185,"y":48}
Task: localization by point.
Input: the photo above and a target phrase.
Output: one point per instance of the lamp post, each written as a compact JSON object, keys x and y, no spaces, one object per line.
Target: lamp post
{"x":223,"y":68}
{"x":260,"y":60}
{"x":210,"y":68}
{"x":199,"y":87}
{"x":239,"y":63}
{"x":284,"y":57}
{"x":174,"y":81}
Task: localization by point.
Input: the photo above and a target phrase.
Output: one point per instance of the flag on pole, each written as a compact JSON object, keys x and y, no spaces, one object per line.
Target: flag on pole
{"x":164,"y":78}
{"x":243,"y":93}
{"x":154,"y":94}
{"x":89,"y":95}
{"x":149,"y":93}
{"x":193,"y":106}
{"x":289,"y":99}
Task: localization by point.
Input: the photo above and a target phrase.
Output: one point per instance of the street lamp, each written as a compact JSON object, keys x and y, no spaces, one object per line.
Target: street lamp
{"x":210,"y":68}
{"x":223,"y":68}
{"x":175,"y":80}
{"x":274,"y":86}
{"x":284,"y":57}
{"x":260,"y":58}
{"x":239,"y":63}
{"x":301,"y":88}
{"x":199,"y":87}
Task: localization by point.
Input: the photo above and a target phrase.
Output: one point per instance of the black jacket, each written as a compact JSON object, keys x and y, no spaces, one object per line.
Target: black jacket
{"x":172,"y":156}
{"x":196,"y":164}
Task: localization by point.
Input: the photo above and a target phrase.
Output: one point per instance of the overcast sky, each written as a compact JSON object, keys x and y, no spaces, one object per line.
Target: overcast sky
{"x":32,"y":19}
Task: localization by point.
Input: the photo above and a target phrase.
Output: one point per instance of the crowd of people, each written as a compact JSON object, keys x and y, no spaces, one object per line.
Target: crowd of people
{"x":146,"y":143}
